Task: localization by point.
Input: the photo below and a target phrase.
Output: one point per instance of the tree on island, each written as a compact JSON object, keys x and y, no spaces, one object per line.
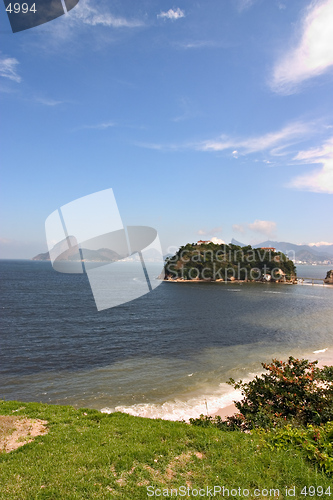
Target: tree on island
{"x":210,"y":261}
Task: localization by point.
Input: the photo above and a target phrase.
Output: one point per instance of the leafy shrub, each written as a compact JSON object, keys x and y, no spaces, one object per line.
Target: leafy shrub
{"x":315,"y":442}
{"x":295,"y":391}
{"x":209,"y":421}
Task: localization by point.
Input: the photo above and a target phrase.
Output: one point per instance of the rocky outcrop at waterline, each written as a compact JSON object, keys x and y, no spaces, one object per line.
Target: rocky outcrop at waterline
{"x":329,"y":277}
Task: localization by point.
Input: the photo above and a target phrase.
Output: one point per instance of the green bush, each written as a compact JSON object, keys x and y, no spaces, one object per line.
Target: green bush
{"x":209,"y":421}
{"x":295,"y":391}
{"x":289,"y":407}
{"x":315,"y":442}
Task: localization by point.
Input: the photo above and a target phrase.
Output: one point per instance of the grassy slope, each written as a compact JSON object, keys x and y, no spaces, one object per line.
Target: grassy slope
{"x":87,"y":454}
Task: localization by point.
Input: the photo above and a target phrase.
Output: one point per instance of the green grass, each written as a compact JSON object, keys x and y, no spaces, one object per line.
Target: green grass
{"x":6,"y":428}
{"x":87,"y":454}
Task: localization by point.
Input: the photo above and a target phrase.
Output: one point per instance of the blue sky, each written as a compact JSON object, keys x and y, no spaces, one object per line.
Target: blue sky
{"x":208,"y":119}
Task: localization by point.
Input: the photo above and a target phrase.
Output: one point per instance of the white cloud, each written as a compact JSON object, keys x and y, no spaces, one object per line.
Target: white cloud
{"x":85,"y":24}
{"x":172,"y":14}
{"x":89,"y":15}
{"x":201,"y":44}
{"x":8,"y":69}
{"x":210,"y":232}
{"x":317,"y":181}
{"x":275,"y":144}
{"x":239,"y":228}
{"x":293,"y":131}
{"x":326,"y":150}
{"x":244,"y":4}
{"x":320,"y":244}
{"x":98,"y":126}
{"x":321,"y":179}
{"x":161,"y":147}
{"x":266,"y":227}
{"x":313,"y":54}
{"x":217,"y":241}
{"x":48,"y":102}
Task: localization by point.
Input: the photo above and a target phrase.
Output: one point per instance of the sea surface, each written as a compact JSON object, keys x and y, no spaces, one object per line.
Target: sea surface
{"x":167,"y":354}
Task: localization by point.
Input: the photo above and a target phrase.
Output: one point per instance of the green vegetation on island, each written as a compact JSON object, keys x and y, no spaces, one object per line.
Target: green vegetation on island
{"x":213,"y":262}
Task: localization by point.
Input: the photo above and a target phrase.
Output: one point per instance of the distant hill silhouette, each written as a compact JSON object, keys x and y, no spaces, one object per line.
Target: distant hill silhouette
{"x":319,"y":253}
{"x":238,"y":243}
{"x":305,"y":253}
{"x":101,"y":255}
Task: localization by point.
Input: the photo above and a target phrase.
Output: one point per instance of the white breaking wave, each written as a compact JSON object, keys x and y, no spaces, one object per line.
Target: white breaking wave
{"x":182,"y":410}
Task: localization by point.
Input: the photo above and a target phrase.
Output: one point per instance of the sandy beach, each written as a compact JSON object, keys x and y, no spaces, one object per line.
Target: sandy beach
{"x":225,"y":412}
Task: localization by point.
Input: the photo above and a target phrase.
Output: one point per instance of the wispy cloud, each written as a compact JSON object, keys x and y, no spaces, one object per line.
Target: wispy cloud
{"x":86,"y":17}
{"x":202,"y":44}
{"x":275,"y":145}
{"x":319,"y":180}
{"x":290,"y":133}
{"x":87,"y":14}
{"x":161,"y":147}
{"x":172,"y":14}
{"x":8,"y":69}
{"x":187,"y":110}
{"x":266,"y":227}
{"x":48,"y":102}
{"x":312,"y":55}
{"x":97,"y":126}
{"x":210,"y":232}
{"x":239,"y":228}
{"x":272,"y":142}
{"x":314,"y":155}
{"x":320,"y":244}
{"x":244,"y":4}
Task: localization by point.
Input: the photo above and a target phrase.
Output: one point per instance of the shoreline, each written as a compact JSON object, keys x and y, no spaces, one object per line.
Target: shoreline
{"x":225,"y":412}
{"x":180,"y":280}
{"x":224,"y":409}
{"x":241,"y":282}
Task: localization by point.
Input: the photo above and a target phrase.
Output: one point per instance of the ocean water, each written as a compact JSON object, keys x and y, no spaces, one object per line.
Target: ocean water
{"x":318,"y":272}
{"x":167,"y":354}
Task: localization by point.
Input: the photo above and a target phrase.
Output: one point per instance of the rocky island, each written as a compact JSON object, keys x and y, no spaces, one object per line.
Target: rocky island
{"x":208,"y":261}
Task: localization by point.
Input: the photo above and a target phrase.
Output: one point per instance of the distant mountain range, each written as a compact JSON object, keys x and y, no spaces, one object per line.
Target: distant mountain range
{"x":301,"y":253}
{"x":304,"y":253}
{"x":72,"y":254}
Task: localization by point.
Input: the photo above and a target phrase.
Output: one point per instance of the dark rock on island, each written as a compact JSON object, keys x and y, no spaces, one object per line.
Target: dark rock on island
{"x":329,"y":277}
